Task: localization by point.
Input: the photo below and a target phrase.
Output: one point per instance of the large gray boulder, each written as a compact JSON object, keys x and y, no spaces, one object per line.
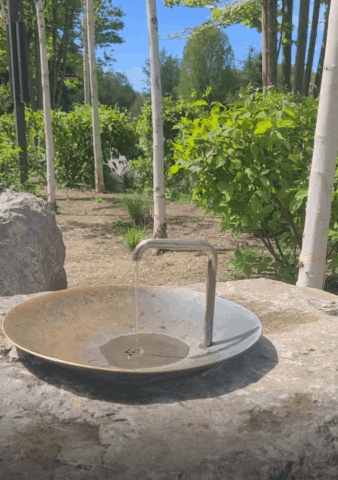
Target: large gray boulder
{"x":32,"y":252}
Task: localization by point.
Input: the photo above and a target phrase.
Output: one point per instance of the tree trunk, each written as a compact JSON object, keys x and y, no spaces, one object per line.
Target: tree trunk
{"x":319,"y":73}
{"x":68,"y":28}
{"x":287,"y":43}
{"x":86,"y":87}
{"x":60,"y":57}
{"x":272,"y":43}
{"x":54,"y":58}
{"x":312,"y":44}
{"x":301,"y":44}
{"x":160,"y":226}
{"x":312,"y":260}
{"x":265,"y":43}
{"x":46,"y":106}
{"x":99,"y":184}
{"x":30,"y":80}
{"x":38,"y":71}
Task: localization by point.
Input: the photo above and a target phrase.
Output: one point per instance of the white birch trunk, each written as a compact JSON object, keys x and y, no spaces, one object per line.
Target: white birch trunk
{"x":46,"y":105}
{"x":86,"y":88}
{"x":264,"y":44}
{"x":156,"y":103}
{"x":99,"y":184}
{"x":312,"y":260}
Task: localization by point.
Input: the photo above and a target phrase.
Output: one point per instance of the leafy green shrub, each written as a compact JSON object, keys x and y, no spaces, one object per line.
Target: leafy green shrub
{"x":254,"y":162}
{"x":74,"y":155}
{"x":132,"y":235}
{"x":128,"y":180}
{"x":137,"y":207}
{"x":73,"y":143}
{"x":6,"y":104}
{"x":171,"y":113}
{"x":9,"y":159}
{"x":112,"y":182}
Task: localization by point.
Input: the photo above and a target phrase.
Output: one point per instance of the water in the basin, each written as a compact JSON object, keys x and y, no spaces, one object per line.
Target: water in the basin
{"x":157,"y":350}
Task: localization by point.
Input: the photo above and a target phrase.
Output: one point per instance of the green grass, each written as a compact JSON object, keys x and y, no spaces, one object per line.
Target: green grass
{"x":183,"y":199}
{"x":97,"y":199}
{"x":132,"y":235}
{"x":137,"y":206}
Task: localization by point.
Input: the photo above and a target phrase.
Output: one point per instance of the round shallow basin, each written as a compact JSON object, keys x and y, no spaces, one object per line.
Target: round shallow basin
{"x":93,"y":328}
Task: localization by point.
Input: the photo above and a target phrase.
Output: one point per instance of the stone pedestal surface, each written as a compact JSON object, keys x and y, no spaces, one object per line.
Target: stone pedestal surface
{"x":269,"y":413}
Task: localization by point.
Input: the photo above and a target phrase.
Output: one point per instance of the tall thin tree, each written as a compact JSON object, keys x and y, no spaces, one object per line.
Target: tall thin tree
{"x":46,"y":105}
{"x":301,"y":44}
{"x":265,"y":43}
{"x":319,"y":73}
{"x":99,"y":184}
{"x":160,"y":226}
{"x":312,"y":44}
{"x":86,"y":87}
{"x":312,"y":260}
{"x":272,"y":43}
{"x":287,"y":43}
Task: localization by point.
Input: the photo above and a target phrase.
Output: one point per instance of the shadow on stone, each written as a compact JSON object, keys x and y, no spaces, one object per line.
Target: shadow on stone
{"x":234,"y":374}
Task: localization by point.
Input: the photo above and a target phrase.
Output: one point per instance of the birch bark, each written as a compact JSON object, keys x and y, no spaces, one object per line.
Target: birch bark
{"x":99,"y":184}
{"x":160,"y":226}
{"x":85,"y":58}
{"x":312,"y":260}
{"x":46,"y":106}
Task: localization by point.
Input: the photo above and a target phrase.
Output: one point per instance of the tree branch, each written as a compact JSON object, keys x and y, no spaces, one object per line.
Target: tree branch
{"x":335,"y":245}
{"x":275,"y":238}
{"x":286,"y":214}
{"x":268,"y":245}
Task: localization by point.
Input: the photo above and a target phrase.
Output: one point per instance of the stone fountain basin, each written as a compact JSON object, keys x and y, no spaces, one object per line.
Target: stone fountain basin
{"x":93,"y":329}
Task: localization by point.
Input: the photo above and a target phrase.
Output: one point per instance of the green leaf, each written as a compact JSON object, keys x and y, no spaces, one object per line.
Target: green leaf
{"x":214,"y":122}
{"x":286,"y":123}
{"x":255,"y":204}
{"x":220,"y":160}
{"x":236,"y":163}
{"x":174,"y":169}
{"x":254,"y":149}
{"x":302,"y":193}
{"x":226,"y":189}
{"x":333,"y":264}
{"x":199,"y":102}
{"x":262,"y":127}
{"x":238,"y":254}
{"x":294,"y":157}
{"x":286,"y":166}
{"x":178,"y":146}
{"x":247,"y":270}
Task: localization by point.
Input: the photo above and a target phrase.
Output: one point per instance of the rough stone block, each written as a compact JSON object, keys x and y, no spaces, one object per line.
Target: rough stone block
{"x":32,"y":252}
{"x":269,"y":413}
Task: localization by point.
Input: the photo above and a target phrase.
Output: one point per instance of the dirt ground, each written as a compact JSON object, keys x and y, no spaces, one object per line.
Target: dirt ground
{"x":97,"y":255}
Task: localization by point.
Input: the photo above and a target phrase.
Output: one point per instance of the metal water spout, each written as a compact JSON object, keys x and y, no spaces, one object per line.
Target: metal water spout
{"x":190,"y":245}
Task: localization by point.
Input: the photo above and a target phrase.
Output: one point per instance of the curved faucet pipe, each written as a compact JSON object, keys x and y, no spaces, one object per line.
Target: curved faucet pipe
{"x":190,"y":245}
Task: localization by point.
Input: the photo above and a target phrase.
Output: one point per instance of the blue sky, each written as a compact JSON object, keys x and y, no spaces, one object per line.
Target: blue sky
{"x":131,"y":55}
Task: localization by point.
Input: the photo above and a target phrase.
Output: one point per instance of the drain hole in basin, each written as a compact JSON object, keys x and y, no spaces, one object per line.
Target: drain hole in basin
{"x":153,"y":350}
